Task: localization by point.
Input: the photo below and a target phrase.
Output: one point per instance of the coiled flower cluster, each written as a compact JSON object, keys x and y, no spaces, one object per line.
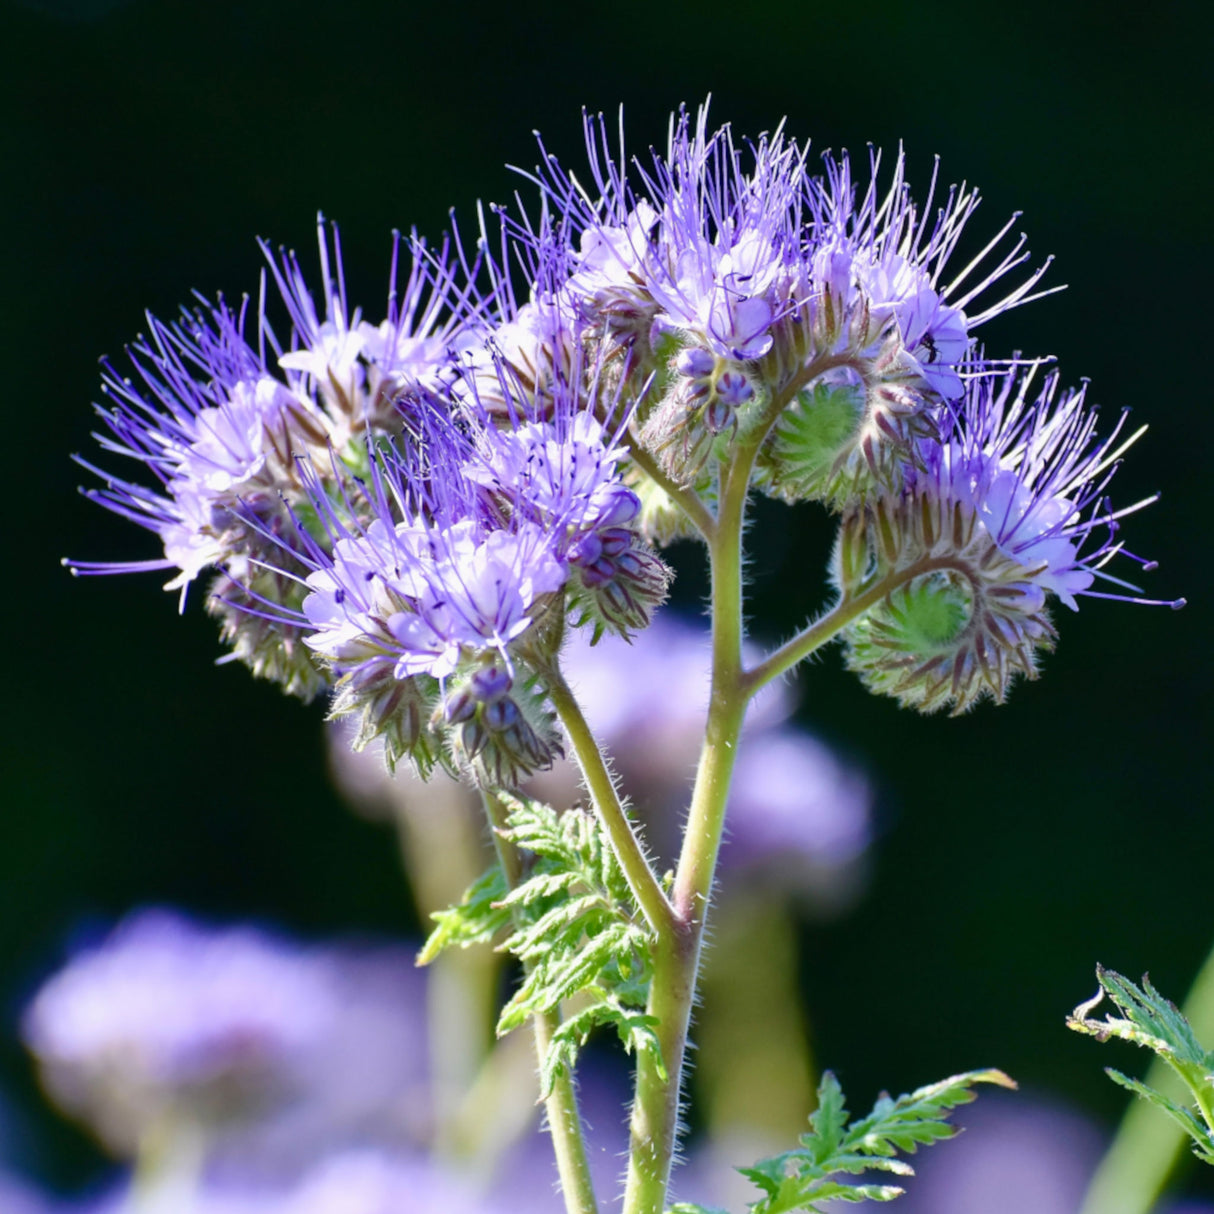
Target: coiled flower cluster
{"x":411,"y":513}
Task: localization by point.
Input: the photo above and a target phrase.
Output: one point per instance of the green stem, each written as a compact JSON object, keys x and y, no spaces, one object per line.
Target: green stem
{"x":828,"y":626}
{"x":564,"y":1124}
{"x":624,"y":842}
{"x":1148,"y":1144}
{"x":655,"y":1112}
{"x":687,"y":499}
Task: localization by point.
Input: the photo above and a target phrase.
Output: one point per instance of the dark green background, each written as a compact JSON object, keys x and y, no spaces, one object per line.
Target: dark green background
{"x":144,"y":144}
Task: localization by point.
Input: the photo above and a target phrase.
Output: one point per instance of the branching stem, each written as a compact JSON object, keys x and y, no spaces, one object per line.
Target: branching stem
{"x":827,"y":627}
{"x":655,"y":1112}
{"x":686,"y":498}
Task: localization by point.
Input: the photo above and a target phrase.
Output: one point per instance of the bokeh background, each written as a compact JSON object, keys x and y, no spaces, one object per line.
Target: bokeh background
{"x":144,"y":143}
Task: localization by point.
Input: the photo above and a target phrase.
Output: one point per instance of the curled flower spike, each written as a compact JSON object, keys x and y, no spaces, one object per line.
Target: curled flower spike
{"x":1007,"y":513}
{"x":221,"y":426}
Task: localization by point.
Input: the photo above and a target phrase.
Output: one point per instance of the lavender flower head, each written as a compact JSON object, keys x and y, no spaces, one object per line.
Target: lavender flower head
{"x":1006,"y":513}
{"x":221,"y":418}
{"x":732,"y":279}
{"x":437,"y":617}
{"x":165,"y":1018}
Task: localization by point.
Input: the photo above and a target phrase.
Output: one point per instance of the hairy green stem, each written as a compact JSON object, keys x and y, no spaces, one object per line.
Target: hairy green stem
{"x":624,"y":842}
{"x":564,"y":1124}
{"x":655,"y":1111}
{"x":827,"y":627}
{"x":1148,"y":1144}
{"x":687,"y":499}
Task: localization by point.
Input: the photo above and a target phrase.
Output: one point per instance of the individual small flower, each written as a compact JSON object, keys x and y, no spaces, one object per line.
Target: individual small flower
{"x":565,"y":475}
{"x":169,"y":1019}
{"x":214,"y":427}
{"x":1008,"y":512}
{"x":364,"y":374}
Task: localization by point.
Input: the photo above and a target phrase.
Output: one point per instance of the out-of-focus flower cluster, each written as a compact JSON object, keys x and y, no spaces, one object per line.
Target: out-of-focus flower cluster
{"x":413,"y":512}
{"x":247,"y":1073}
{"x":171,"y":1022}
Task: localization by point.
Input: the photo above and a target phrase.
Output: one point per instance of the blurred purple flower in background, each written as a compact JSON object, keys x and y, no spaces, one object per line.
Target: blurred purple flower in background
{"x":796,"y":806}
{"x":18,"y":1198}
{"x":1016,"y":1155}
{"x":272,"y":1049}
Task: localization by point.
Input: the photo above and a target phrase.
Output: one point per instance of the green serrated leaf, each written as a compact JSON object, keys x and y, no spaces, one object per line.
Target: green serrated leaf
{"x":1188,"y":1121}
{"x":828,"y":1120}
{"x":1154,"y":1022}
{"x":833,"y":1148}
{"x":582,"y":941}
{"x":479,"y":918}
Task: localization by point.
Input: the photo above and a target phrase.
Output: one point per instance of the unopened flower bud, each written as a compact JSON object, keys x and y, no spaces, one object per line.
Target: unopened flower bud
{"x":490,"y":682}
{"x":459,"y":707}
{"x":694,"y":362}
{"x":734,"y":388}
{"x":585,"y":550}
{"x":501,"y":714}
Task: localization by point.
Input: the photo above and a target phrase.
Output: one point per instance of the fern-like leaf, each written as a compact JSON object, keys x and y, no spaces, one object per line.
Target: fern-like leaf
{"x":836,"y":1147}
{"x":1149,"y":1020}
{"x":478,"y":919}
{"x":581,"y":939}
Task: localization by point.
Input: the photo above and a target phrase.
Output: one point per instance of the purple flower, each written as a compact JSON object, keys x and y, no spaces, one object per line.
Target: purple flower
{"x":734,"y":275}
{"x":222,"y":427}
{"x":882,"y":262}
{"x":360,"y":371}
{"x":1014,"y":1156}
{"x":707,"y":251}
{"x":1005,"y":513}
{"x":213,"y":426}
{"x":166,"y":1017}
{"x":428,"y":601}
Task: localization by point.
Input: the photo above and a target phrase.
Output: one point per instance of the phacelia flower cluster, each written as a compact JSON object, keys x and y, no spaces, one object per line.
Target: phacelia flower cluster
{"x":222,"y":413}
{"x":733,"y":280}
{"x":1007,"y":512}
{"x":412,"y":513}
{"x":439,"y":616}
